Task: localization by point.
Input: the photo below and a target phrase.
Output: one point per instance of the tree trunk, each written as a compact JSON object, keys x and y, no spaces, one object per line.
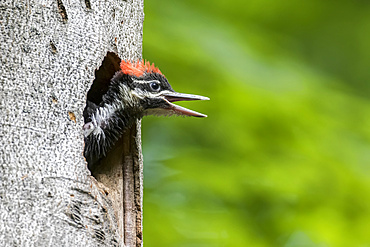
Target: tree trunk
{"x":49,"y":52}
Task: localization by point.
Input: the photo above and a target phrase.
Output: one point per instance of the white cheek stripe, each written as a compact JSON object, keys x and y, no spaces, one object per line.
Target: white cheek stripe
{"x":143,"y":94}
{"x":139,"y":93}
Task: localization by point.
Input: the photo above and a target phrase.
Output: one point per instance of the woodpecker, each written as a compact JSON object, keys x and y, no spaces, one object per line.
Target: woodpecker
{"x":137,"y":89}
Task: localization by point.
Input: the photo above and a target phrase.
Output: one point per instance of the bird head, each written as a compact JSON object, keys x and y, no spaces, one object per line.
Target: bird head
{"x":151,"y":94}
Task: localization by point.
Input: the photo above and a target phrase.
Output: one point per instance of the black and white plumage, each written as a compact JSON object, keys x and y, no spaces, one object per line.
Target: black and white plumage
{"x":138,"y":89}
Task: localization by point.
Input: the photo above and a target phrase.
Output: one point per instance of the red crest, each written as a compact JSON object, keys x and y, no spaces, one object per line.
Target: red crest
{"x":138,"y":68}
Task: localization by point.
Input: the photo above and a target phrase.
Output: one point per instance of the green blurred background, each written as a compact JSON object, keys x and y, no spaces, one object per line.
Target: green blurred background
{"x":283,"y":157}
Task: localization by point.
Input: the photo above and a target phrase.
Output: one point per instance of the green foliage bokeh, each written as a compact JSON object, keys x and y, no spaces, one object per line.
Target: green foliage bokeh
{"x":283,"y":157}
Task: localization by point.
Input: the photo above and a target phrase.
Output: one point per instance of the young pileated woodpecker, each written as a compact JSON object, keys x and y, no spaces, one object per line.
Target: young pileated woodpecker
{"x":138,"y":89}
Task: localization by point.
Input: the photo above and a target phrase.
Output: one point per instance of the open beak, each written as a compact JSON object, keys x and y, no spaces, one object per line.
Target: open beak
{"x":174,"y":96}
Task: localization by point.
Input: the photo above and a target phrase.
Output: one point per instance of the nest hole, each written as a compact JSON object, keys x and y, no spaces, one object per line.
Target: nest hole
{"x":110,"y":65}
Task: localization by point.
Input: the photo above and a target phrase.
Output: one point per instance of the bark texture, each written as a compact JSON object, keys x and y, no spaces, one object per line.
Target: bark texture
{"x":49,"y":51}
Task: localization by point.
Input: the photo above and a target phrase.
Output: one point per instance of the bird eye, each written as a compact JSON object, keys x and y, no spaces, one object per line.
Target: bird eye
{"x":155,"y":86}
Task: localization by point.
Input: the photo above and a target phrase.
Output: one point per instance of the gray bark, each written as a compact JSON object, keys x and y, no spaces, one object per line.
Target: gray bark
{"x":49,"y":51}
